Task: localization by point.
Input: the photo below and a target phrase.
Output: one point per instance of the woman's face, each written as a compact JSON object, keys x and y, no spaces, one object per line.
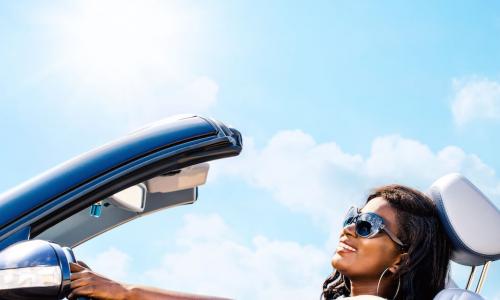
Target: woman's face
{"x":361,"y":258}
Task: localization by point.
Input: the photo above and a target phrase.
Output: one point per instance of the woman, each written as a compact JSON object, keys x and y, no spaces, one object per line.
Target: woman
{"x":394,"y":248}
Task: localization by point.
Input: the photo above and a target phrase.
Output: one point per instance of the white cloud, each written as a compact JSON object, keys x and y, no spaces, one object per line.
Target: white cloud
{"x":215,"y":230}
{"x":394,"y":158}
{"x":210,"y":260}
{"x":302,"y":175}
{"x":475,"y":98}
{"x":113,"y":263}
{"x":321,"y":180}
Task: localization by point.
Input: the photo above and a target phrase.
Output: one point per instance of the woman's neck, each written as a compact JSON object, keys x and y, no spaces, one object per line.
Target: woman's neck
{"x":369,"y":287}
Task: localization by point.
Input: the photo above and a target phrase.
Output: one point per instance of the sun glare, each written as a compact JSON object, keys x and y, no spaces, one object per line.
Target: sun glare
{"x":117,"y":40}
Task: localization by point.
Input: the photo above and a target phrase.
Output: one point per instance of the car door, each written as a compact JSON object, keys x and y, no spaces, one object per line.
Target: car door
{"x":74,"y":201}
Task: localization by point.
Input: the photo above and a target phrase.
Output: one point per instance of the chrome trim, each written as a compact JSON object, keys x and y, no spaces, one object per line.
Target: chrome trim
{"x":471,"y":277}
{"x":482,"y":278}
{"x":30,"y":277}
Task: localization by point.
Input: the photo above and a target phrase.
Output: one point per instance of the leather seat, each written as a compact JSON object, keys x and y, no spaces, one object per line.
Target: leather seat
{"x":457,"y":294}
{"x":472,"y":223}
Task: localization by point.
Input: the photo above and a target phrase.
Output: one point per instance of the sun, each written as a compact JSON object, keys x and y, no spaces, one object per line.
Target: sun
{"x":121,"y":42}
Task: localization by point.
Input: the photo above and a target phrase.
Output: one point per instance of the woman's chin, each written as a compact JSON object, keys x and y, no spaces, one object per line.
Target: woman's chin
{"x":336,"y":261}
{"x":340,"y":263}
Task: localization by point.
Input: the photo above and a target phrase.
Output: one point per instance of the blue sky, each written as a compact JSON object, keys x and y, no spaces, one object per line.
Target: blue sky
{"x":333,"y":98}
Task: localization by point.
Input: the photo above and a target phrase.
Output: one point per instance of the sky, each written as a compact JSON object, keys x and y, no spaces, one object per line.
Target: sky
{"x":333,"y":98}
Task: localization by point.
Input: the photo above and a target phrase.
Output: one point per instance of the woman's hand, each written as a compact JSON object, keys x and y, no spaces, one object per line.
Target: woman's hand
{"x":85,"y":282}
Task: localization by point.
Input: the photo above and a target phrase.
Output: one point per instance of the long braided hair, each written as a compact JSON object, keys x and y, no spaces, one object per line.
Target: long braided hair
{"x":424,"y":269}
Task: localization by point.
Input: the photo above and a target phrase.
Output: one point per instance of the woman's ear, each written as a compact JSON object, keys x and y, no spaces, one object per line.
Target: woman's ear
{"x":398,"y":262}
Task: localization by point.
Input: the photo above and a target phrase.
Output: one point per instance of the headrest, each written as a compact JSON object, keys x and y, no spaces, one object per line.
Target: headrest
{"x":470,"y":219}
{"x":457,"y":294}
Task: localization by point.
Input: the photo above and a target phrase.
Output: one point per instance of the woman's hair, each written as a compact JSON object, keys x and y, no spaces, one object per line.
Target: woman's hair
{"x":423,"y":271}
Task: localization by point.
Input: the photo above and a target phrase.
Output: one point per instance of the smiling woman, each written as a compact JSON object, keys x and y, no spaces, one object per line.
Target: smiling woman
{"x":394,"y":247}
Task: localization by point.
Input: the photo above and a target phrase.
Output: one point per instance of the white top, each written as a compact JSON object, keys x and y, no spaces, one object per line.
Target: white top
{"x":366,"y":297}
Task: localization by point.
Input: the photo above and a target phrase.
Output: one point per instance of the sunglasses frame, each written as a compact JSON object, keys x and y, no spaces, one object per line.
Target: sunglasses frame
{"x":375,"y":221}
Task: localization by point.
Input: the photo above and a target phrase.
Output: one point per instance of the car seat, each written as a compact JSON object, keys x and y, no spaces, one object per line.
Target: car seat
{"x":472,"y":223}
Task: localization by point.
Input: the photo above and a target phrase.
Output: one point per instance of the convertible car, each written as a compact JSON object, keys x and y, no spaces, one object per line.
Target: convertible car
{"x":161,"y":166}
{"x":153,"y":168}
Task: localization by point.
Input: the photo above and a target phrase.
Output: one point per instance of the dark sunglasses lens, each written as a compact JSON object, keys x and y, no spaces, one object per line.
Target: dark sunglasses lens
{"x":363,"y":228}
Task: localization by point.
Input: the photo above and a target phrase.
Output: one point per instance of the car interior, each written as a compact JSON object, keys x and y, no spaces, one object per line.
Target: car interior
{"x":466,"y":213}
{"x":174,"y":188}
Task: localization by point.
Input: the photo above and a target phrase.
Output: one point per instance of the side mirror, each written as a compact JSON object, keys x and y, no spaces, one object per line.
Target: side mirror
{"x":35,"y":269}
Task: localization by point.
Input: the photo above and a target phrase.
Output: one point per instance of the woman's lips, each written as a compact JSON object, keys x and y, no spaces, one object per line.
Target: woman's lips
{"x":342,"y":247}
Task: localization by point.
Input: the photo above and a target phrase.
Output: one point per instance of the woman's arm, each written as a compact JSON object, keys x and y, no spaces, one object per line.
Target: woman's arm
{"x":149,"y":293}
{"x":84,"y":282}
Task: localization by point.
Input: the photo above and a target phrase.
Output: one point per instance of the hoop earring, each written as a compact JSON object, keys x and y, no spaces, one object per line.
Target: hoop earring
{"x":397,"y":290}
{"x":380,"y":280}
{"x":345,"y":284}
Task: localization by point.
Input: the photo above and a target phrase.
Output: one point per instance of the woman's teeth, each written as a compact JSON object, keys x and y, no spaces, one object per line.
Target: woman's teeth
{"x":346,"y":247}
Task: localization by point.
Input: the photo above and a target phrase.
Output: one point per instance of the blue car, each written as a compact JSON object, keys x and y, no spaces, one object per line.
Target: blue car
{"x":151,"y":169}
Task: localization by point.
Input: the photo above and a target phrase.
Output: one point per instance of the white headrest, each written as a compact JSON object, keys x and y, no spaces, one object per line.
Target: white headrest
{"x":471,"y":221}
{"x":457,"y":294}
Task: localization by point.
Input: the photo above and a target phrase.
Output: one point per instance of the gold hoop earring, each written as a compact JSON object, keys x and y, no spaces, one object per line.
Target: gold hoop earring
{"x":380,"y":280}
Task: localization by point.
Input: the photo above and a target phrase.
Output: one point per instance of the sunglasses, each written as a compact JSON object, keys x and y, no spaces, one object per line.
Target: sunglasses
{"x":369,"y":224}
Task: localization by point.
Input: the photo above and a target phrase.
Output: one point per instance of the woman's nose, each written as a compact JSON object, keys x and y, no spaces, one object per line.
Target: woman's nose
{"x":350,"y":230}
